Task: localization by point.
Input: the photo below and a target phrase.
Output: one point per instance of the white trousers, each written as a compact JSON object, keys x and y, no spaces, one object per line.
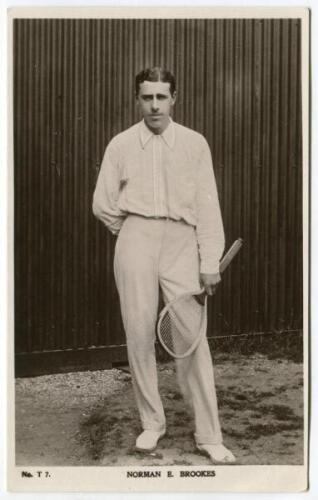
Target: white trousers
{"x":150,"y":253}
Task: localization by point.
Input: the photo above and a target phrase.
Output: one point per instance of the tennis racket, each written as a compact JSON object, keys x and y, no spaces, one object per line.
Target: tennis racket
{"x":183,"y":321}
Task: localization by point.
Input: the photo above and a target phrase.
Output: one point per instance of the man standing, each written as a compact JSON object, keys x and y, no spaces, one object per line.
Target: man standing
{"x":156,"y":190}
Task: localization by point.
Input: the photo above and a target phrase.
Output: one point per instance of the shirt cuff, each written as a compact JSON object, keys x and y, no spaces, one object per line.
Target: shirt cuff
{"x":209,"y":267}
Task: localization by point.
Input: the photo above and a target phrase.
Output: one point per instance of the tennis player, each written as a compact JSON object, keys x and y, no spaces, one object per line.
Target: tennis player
{"x":156,"y":190}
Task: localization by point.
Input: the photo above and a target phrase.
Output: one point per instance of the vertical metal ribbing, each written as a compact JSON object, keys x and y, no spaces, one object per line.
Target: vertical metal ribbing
{"x":238,"y":83}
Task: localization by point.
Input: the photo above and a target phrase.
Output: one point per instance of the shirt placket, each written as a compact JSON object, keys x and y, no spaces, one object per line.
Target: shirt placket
{"x":156,"y":164}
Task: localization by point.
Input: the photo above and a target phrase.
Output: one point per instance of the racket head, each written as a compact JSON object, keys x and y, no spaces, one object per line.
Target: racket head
{"x":182,"y":323}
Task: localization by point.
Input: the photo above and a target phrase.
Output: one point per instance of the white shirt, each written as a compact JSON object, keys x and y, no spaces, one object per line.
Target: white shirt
{"x":166,"y":175}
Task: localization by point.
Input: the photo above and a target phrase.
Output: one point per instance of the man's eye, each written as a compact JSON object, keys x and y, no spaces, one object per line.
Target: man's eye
{"x":147,"y":98}
{"x":162,"y":97}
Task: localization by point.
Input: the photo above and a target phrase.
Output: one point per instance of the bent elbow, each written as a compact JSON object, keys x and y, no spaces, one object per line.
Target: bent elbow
{"x":96,"y":206}
{"x":97,"y":209}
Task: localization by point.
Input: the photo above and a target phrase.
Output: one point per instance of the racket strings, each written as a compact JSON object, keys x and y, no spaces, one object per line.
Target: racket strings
{"x":181,"y":325}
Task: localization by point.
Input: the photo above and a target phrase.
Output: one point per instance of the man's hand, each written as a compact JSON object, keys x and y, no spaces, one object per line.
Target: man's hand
{"x":210,"y":282}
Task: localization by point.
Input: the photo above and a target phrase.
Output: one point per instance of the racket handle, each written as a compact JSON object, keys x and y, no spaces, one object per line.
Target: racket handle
{"x":230,"y":254}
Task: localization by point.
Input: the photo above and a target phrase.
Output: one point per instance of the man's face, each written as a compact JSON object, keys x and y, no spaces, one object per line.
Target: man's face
{"x":155,"y":102}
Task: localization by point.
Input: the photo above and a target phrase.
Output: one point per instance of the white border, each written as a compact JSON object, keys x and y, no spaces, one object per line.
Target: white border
{"x":157,"y":12}
{"x":188,"y":12}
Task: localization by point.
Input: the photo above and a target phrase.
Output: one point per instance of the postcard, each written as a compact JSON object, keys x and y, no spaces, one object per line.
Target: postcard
{"x":159,"y":243}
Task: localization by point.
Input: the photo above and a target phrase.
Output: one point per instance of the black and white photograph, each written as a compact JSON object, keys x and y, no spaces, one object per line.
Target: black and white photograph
{"x":160,"y":259}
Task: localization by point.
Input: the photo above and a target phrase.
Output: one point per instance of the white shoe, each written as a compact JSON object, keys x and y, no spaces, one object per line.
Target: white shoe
{"x":217,"y":453}
{"x":147,"y":441}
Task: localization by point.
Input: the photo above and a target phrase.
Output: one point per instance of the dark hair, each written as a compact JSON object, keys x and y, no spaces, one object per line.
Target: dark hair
{"x":155,"y":74}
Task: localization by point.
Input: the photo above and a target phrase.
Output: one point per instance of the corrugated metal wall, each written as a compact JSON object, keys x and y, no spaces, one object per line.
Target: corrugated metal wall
{"x":239,"y":84}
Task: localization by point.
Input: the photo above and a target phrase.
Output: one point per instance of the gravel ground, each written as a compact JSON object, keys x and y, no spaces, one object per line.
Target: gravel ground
{"x":89,"y":418}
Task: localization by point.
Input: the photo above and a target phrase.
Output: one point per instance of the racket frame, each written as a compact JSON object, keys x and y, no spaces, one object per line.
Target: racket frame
{"x":225,"y":261}
{"x":203,"y":325}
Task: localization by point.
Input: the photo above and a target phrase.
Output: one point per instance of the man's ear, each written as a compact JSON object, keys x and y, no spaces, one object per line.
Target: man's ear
{"x":174,"y":97}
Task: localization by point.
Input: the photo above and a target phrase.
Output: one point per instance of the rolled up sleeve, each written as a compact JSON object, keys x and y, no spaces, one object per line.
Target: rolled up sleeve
{"x":209,"y":228}
{"x":106,"y":192}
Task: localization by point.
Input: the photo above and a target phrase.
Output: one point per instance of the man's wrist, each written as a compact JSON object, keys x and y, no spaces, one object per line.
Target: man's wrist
{"x":207,"y":268}
{"x":211,"y":277}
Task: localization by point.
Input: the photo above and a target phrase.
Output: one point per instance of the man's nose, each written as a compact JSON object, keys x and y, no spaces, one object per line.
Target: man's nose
{"x":154,"y":104}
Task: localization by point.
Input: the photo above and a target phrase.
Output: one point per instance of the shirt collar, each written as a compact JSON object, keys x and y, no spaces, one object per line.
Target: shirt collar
{"x":168,"y":134}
